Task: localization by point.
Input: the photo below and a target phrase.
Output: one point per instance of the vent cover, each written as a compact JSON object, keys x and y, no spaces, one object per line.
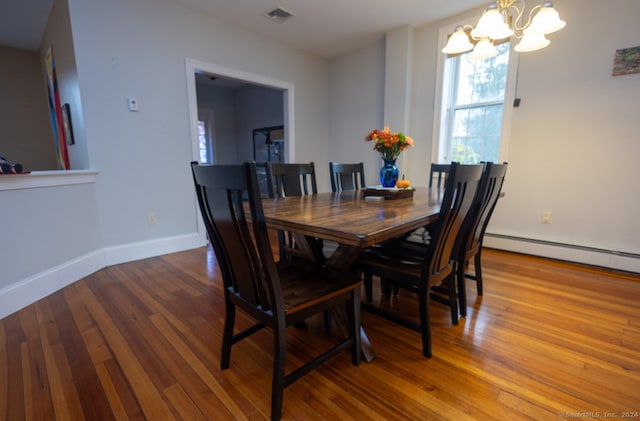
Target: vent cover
{"x":279,"y":14}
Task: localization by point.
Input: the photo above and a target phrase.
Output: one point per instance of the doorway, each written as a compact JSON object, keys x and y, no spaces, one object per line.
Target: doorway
{"x":233,"y":77}
{"x":194,"y":67}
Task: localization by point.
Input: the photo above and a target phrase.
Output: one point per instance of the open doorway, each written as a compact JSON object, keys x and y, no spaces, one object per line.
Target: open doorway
{"x":232,"y":140}
{"x":194,"y":67}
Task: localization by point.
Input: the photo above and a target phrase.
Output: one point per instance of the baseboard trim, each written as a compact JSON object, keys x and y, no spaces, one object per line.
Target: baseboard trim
{"x":623,"y":261}
{"x":145,"y":249}
{"x":23,"y":293}
{"x":28,"y":291}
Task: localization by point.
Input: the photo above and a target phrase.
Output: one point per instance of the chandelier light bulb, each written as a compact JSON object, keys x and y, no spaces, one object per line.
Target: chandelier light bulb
{"x":458,"y":42}
{"x":489,"y":21}
{"x":484,"y":49}
{"x":531,"y":41}
{"x":547,"y":20}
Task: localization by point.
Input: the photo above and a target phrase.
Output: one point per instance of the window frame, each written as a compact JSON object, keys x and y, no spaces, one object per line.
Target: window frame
{"x":440,"y":115}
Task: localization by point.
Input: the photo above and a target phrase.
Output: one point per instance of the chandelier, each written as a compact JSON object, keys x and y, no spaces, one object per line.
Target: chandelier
{"x":502,"y":20}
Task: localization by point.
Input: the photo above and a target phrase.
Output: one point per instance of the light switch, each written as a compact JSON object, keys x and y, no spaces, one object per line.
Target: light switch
{"x":133,"y":103}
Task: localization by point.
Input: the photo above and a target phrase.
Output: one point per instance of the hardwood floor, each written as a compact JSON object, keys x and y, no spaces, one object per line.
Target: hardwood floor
{"x":141,"y":340}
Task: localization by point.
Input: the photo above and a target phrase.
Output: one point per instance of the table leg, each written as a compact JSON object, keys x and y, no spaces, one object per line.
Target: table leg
{"x":341,"y":259}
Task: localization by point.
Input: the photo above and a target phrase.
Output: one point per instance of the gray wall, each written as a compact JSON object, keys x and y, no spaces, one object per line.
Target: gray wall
{"x":26,"y":135}
{"x":237,"y":112}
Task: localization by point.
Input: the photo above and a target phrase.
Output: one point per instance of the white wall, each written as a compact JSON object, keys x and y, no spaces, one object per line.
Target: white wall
{"x":257,"y":107}
{"x":143,"y":157}
{"x":574,"y":138}
{"x":222,"y":103}
{"x":356,"y":106}
{"x":53,"y":232}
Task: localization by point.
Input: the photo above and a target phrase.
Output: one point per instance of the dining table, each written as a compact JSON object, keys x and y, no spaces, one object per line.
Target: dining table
{"x":353,"y":220}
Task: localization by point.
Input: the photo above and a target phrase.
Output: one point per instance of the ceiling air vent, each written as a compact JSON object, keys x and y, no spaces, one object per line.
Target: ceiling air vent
{"x":279,"y":14}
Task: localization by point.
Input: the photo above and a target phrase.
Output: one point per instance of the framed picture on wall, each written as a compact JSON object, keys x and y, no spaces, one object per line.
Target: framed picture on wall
{"x":626,"y":61}
{"x":66,"y":122}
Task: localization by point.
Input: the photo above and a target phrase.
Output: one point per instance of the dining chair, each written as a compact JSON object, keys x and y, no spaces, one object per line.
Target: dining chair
{"x":290,"y":179}
{"x":440,"y":171}
{"x":346,"y":176}
{"x":427,"y":270}
{"x":471,"y":238}
{"x":274,"y":295}
{"x":261,"y":167}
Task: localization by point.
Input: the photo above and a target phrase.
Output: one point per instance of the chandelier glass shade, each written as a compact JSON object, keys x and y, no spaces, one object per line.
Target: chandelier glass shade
{"x":502,"y":20}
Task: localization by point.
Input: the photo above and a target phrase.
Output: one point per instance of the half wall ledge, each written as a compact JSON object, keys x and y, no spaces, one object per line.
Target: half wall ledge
{"x":37,"y":179}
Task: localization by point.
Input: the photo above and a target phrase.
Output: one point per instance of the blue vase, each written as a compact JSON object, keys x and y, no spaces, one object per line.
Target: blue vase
{"x":389,"y":173}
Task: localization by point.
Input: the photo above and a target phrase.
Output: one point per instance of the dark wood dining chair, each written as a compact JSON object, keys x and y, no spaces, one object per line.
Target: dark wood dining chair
{"x":471,"y":238}
{"x":427,"y":270}
{"x":346,"y":176}
{"x":440,"y":171}
{"x":290,"y":179}
{"x":261,"y":167}
{"x":275,"y":296}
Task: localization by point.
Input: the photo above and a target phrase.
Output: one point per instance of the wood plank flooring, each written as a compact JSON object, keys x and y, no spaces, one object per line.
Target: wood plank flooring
{"x":141,"y":340}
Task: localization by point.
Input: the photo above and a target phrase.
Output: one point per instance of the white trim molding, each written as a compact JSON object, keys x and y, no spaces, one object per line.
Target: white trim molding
{"x":38,"y":179}
{"x":28,"y":291}
{"x":609,"y":259}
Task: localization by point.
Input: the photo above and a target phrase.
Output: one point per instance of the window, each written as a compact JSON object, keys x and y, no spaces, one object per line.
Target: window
{"x":205,"y":136}
{"x":473,"y":121}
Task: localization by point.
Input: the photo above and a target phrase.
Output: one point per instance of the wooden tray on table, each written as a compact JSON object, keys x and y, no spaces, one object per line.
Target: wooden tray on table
{"x":388,"y":193}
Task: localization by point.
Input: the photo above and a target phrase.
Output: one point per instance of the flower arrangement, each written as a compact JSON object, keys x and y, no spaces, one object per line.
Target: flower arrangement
{"x":389,"y":144}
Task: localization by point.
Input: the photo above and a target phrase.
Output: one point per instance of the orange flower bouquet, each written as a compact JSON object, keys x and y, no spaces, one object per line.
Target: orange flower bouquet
{"x":389,"y":144}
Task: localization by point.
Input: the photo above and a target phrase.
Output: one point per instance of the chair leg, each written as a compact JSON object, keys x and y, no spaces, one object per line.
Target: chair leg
{"x":462,"y":289}
{"x":353,"y":315}
{"x":453,"y":297}
{"x":386,"y":286}
{"x":425,"y":323}
{"x":282,"y":246}
{"x":368,"y":285}
{"x":478,"y":268}
{"x":328,"y":319}
{"x":227,"y":334}
{"x":278,"y":384}
{"x":394,"y":289}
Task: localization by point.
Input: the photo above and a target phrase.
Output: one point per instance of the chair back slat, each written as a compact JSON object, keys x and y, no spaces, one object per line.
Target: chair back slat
{"x":460,"y":192}
{"x":346,"y":176}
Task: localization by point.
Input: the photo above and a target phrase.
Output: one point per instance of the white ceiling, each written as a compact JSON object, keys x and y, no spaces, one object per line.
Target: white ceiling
{"x":323,"y":27}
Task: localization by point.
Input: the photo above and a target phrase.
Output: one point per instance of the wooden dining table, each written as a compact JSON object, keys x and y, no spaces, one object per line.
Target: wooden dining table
{"x":351,"y":220}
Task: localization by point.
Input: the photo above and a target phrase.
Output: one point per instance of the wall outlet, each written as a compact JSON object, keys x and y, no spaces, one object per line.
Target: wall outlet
{"x":546,"y":217}
{"x":133,"y":104}
{"x":151,"y":219}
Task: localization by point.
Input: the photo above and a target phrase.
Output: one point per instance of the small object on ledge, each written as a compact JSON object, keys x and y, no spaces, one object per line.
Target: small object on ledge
{"x":7,"y":168}
{"x":388,"y":193}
